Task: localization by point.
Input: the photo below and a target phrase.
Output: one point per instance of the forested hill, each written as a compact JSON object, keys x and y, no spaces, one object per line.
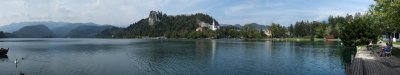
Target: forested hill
{"x":35,"y":31}
{"x":159,"y":24}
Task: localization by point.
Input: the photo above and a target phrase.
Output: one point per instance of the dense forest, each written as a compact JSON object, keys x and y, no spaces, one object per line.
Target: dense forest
{"x":34,"y":31}
{"x":162,"y":25}
{"x":3,"y":34}
{"x":184,"y":26}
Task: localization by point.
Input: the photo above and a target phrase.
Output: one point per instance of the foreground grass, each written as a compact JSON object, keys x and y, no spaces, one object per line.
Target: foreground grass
{"x":396,"y":43}
{"x":396,"y":52}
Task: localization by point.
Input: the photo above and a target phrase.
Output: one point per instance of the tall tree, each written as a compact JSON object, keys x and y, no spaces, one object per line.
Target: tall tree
{"x":291,"y":30}
{"x":277,"y":30}
{"x":358,"y":30}
{"x":387,"y":14}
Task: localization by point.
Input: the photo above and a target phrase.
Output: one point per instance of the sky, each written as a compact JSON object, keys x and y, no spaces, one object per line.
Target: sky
{"x":125,"y":12}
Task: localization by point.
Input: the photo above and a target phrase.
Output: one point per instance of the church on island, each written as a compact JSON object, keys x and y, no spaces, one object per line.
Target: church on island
{"x":203,"y":25}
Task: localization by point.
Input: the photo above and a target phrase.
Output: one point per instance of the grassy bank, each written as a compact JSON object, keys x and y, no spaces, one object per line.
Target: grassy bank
{"x":396,"y":52}
{"x":396,"y":43}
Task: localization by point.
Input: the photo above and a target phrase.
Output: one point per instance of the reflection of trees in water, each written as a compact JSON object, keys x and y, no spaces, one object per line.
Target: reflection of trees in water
{"x":3,"y":58}
{"x":172,"y":56}
{"x":347,"y":55}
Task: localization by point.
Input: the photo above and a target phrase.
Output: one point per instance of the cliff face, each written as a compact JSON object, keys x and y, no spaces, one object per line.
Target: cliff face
{"x":153,"y":17}
{"x":35,"y":31}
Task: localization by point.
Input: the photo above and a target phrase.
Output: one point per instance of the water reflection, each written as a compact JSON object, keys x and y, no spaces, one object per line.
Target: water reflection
{"x":176,"y":57}
{"x":3,"y":58}
{"x":213,"y":49}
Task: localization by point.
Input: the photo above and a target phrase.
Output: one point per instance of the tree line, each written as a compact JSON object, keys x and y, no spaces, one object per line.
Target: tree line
{"x":383,"y":18}
{"x":3,"y":34}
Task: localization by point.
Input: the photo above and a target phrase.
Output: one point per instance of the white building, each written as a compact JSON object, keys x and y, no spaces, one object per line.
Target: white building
{"x":212,"y":26}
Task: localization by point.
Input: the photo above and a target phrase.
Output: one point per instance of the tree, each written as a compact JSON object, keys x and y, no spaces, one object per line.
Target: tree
{"x":249,"y":32}
{"x":358,"y":30}
{"x":2,"y":34}
{"x":277,"y":30}
{"x":388,"y":15}
{"x":320,"y":31}
{"x":228,"y":32}
{"x":291,"y":30}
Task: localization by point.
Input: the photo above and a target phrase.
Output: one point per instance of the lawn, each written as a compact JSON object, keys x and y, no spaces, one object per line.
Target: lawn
{"x":396,"y":43}
{"x":396,"y":52}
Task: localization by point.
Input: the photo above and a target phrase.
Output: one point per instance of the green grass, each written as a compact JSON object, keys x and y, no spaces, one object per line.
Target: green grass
{"x":396,"y":43}
{"x":396,"y":51}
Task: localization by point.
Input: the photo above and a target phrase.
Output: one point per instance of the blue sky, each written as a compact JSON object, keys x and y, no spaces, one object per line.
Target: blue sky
{"x":125,"y":12}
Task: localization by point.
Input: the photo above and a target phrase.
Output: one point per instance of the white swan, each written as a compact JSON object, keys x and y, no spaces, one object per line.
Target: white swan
{"x":16,"y":61}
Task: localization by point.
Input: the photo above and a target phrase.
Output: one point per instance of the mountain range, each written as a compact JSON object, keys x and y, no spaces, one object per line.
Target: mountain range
{"x":53,"y":30}
{"x":16,"y":26}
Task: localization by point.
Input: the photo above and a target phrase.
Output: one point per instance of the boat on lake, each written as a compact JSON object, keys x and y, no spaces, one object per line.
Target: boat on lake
{"x":3,"y":51}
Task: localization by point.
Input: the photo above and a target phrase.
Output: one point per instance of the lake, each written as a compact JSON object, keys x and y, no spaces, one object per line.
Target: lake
{"x":172,"y":57}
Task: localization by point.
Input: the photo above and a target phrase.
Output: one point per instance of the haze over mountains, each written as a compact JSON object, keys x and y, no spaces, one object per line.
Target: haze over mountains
{"x":53,"y":30}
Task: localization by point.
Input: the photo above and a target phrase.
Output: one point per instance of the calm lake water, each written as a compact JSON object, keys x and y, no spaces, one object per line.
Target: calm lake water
{"x":171,"y":57}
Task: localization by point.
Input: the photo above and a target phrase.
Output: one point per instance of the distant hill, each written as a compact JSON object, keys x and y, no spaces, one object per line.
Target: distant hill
{"x":228,"y":25}
{"x":258,"y":26}
{"x":62,"y":31}
{"x":35,"y":31}
{"x":87,"y":31}
{"x":53,"y":30}
{"x":255,"y":25}
{"x":16,"y":26}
